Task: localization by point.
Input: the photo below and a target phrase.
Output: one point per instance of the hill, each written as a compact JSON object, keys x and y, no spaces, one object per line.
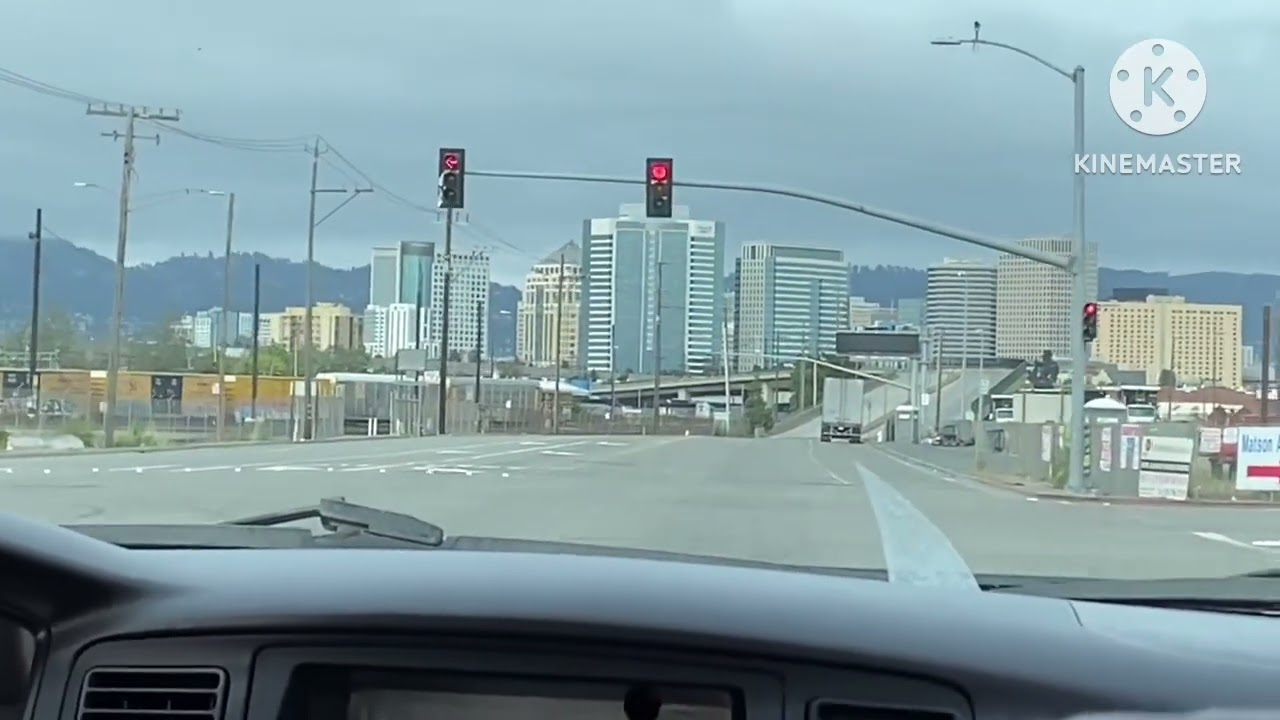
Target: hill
{"x":80,"y":281}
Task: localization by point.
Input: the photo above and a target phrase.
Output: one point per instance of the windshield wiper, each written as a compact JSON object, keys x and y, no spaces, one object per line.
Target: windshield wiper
{"x":337,"y":515}
{"x":349,"y":525}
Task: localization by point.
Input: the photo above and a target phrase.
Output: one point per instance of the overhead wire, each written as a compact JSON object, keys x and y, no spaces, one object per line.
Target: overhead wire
{"x":295,"y":144}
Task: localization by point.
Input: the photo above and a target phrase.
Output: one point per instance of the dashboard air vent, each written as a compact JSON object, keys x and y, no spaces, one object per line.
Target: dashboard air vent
{"x":153,"y":694}
{"x":840,"y":710}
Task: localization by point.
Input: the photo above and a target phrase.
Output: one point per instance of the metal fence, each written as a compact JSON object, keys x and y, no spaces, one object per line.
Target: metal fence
{"x":1117,"y":458}
{"x":167,"y":422}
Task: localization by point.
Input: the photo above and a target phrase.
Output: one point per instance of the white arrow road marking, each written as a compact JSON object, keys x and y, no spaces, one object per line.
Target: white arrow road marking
{"x":1219,"y":537}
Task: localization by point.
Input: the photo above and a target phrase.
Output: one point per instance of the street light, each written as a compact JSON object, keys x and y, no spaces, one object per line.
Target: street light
{"x":118,"y":310}
{"x":1075,"y":470}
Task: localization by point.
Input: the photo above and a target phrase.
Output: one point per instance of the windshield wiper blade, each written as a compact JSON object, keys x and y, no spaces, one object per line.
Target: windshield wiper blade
{"x":337,"y":515}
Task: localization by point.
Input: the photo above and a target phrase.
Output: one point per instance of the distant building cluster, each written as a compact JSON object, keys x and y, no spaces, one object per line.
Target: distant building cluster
{"x":407,"y":297}
{"x":1017,"y":308}
{"x":334,"y":327}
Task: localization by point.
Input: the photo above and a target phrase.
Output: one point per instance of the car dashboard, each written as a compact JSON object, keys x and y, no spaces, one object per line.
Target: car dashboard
{"x":93,"y":631}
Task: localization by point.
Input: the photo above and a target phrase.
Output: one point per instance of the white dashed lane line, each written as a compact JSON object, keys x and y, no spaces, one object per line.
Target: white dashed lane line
{"x":418,"y":465}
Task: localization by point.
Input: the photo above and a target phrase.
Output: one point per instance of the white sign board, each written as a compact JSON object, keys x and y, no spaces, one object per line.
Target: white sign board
{"x":1210,"y":440}
{"x":1164,"y":467}
{"x":1105,"y":450}
{"x":1258,"y":459}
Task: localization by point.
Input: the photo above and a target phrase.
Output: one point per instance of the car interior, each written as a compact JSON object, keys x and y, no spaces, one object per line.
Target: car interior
{"x":246,"y":620}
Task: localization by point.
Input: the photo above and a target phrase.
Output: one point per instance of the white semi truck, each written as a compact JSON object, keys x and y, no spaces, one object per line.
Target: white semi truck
{"x":843,"y":409}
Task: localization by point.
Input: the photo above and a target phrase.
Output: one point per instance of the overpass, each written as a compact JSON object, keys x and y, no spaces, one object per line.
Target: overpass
{"x":685,"y":387}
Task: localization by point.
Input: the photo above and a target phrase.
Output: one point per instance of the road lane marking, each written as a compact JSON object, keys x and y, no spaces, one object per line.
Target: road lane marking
{"x":560,"y":453}
{"x":607,"y":443}
{"x":141,"y":468}
{"x":916,"y":552}
{"x":1266,"y":543}
{"x":1220,"y":538}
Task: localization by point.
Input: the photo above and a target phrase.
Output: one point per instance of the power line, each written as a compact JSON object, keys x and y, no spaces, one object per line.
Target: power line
{"x":293,"y":144}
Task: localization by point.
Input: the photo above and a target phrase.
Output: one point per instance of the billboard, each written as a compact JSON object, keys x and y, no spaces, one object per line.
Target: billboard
{"x":878,"y":342}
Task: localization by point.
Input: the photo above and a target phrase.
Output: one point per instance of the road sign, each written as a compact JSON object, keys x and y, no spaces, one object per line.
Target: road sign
{"x":1258,"y":459}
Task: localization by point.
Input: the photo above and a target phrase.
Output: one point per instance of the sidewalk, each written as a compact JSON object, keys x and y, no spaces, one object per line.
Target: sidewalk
{"x":1045,"y":491}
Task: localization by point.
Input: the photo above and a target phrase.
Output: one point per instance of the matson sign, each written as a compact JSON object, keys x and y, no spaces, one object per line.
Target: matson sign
{"x":1258,"y":464}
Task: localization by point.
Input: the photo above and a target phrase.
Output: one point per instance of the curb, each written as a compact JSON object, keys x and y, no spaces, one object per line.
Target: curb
{"x":1095,"y":499}
{"x":195,"y":446}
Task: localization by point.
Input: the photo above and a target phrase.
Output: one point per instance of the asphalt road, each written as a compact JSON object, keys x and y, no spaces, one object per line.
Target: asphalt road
{"x":789,"y":500}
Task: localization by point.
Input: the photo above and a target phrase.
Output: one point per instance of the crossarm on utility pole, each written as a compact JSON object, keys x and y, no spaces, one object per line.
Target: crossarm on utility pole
{"x":972,"y":238}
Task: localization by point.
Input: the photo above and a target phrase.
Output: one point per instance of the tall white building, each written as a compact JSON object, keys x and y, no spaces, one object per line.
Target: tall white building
{"x":789,"y":302}
{"x":652,"y":293}
{"x":388,"y":329}
{"x":468,"y":305}
{"x":960,"y":308}
{"x":1033,"y":301}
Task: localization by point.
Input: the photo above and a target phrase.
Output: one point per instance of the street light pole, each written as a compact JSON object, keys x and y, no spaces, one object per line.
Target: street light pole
{"x":225,"y":316}
{"x":1077,"y":264}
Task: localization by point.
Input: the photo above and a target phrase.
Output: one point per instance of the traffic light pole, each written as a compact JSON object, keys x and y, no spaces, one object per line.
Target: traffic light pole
{"x":1074,"y":263}
{"x":442,"y":389}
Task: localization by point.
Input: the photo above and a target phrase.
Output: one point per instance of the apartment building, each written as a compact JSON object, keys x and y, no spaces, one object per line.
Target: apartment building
{"x":1199,"y":342}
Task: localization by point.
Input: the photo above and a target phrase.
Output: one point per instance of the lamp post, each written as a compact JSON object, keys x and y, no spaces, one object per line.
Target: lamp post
{"x":1077,"y":266}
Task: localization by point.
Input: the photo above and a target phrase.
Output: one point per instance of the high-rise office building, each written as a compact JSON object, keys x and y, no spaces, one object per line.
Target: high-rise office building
{"x":960,"y":308}
{"x":468,"y":305}
{"x":542,"y":309}
{"x":789,"y":303}
{"x":652,"y":293}
{"x":1034,"y":312}
{"x":402,"y":274}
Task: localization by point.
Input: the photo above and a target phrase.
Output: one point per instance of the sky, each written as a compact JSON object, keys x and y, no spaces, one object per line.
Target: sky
{"x":841,"y":97}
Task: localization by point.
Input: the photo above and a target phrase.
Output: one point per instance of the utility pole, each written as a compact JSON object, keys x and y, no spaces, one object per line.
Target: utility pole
{"x":937,"y":394}
{"x":225,"y":318}
{"x":1264,"y":391}
{"x":308,"y":319}
{"x":257,"y":318}
{"x":33,"y":371}
{"x":132,"y":115}
{"x":447,"y":294}
{"x":613,"y":372}
{"x":479,"y":360}
{"x":555,"y":398}
{"x":657,"y":347}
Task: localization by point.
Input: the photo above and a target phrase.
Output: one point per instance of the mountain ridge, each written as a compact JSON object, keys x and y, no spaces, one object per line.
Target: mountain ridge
{"x":80,"y":281}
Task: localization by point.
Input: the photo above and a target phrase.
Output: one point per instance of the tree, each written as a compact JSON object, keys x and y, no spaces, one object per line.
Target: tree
{"x":163,"y":350}
{"x":758,"y":412}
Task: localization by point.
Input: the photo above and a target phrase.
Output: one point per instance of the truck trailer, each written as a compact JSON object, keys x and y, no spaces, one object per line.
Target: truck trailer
{"x":842,"y":409}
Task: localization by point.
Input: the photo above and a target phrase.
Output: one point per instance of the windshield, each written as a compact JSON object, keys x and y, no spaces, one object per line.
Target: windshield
{"x":640,"y":300}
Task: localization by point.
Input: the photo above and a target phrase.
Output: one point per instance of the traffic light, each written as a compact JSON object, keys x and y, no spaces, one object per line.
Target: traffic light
{"x":658,"y":182}
{"x":452,"y":174}
{"x":1090,"y":327}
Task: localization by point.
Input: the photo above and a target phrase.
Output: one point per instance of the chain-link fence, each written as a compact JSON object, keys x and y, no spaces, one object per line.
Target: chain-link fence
{"x":165,"y":422}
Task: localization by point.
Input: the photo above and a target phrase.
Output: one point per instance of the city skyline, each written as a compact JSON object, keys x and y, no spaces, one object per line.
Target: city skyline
{"x":1009,"y":177}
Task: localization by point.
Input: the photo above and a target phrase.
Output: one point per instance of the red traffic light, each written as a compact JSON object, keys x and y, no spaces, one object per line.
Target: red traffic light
{"x":451,"y":161}
{"x":1090,"y":309}
{"x":660,"y":172}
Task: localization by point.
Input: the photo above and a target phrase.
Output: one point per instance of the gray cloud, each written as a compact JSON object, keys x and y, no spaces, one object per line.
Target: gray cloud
{"x":840,"y":97}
